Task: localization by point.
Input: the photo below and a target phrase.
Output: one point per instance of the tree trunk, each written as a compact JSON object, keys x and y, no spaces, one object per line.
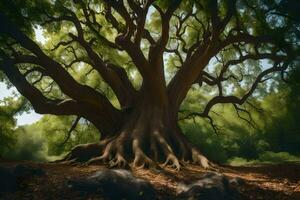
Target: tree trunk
{"x":149,"y":135}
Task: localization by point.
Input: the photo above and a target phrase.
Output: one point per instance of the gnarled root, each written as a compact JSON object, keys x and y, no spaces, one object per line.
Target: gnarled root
{"x":141,"y":160}
{"x":82,"y":153}
{"x":198,"y":158}
{"x":141,"y":148}
{"x":172,"y":159}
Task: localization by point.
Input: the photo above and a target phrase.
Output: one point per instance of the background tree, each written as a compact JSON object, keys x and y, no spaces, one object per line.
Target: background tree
{"x":128,"y":66}
{"x":9,"y":108}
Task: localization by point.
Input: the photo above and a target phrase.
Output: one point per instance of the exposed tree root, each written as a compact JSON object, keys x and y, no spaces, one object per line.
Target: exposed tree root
{"x":173,"y":161}
{"x":141,"y":144}
{"x":82,"y":153}
{"x":127,"y":150}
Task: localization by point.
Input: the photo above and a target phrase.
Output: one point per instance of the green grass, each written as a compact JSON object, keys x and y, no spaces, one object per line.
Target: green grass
{"x":267,"y":157}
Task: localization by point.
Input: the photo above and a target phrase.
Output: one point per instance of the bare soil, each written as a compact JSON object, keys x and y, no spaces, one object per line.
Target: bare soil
{"x":276,"y":182}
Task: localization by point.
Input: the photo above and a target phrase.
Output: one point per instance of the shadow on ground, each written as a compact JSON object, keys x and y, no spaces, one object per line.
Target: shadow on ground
{"x":276,"y":182}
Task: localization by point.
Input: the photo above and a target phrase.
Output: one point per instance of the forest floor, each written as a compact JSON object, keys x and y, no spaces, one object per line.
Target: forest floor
{"x":276,"y":182}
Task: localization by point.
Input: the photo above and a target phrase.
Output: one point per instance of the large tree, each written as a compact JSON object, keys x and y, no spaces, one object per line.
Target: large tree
{"x":146,"y":55}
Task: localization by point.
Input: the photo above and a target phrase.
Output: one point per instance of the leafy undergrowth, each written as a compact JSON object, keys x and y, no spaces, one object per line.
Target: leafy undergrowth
{"x":276,"y":182}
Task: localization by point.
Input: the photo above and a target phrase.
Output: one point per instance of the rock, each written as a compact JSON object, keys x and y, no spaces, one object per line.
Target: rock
{"x":115,"y":184}
{"x":212,"y":186}
{"x":236,"y":181}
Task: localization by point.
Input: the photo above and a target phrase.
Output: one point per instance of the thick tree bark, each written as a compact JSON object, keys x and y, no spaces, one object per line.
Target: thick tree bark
{"x":149,"y":135}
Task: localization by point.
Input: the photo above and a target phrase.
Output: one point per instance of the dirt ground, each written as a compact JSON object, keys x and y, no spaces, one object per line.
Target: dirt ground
{"x":265,"y":182}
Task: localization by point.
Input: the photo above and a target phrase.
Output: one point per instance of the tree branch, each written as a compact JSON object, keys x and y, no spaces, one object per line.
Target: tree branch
{"x":243,"y":99}
{"x":115,"y":80}
{"x":81,"y":93}
{"x":73,"y":127}
{"x":40,"y":103}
